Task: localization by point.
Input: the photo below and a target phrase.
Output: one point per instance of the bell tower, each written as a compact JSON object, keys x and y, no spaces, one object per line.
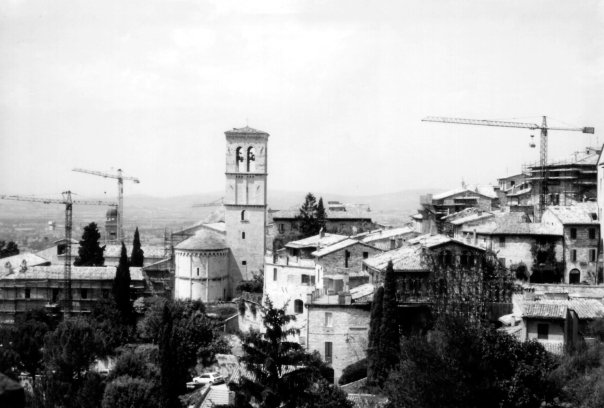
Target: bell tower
{"x":245,"y":201}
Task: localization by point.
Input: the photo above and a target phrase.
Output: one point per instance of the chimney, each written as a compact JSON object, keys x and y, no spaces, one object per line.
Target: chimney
{"x":321,"y":233}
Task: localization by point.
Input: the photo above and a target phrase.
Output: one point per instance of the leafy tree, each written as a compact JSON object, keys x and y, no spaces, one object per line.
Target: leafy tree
{"x":121,"y":288}
{"x":90,"y":252}
{"x":137,"y":257}
{"x":282,"y":373}
{"x":68,"y":353}
{"x":373,"y":346}
{"x":186,"y":337}
{"x":321,"y":215}
{"x":150,"y":326}
{"x":110,"y":327}
{"x":354,"y":372}
{"x":255,"y":285}
{"x":326,"y":395}
{"x":127,"y":392}
{"x":389,"y":334}
{"x":307,"y":219}
{"x":470,"y":366}
{"x":9,"y":249}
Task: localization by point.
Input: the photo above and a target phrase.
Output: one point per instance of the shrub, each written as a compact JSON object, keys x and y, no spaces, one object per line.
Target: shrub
{"x":354,"y":372}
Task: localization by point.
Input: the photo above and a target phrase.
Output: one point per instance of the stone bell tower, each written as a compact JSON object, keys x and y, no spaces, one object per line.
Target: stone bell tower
{"x":245,"y":201}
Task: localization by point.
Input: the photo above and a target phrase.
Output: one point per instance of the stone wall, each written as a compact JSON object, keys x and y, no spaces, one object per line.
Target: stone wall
{"x":582,"y":245}
{"x":348,"y":333}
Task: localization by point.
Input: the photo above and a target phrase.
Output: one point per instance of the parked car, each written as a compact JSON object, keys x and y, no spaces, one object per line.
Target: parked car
{"x":209,"y":378}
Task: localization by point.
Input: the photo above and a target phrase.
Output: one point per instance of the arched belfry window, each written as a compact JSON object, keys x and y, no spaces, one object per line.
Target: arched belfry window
{"x":239,"y":159}
{"x":243,"y":215}
{"x":251,"y":159}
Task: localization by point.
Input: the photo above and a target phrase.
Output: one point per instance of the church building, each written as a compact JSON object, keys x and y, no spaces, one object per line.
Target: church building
{"x":216,"y":257}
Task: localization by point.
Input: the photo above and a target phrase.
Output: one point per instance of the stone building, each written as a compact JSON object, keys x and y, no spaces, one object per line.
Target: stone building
{"x":339,"y":332}
{"x":212,"y":259}
{"x":388,"y":239}
{"x":535,"y":249}
{"x":44,"y":287}
{"x":581,"y":233}
{"x":344,"y":219}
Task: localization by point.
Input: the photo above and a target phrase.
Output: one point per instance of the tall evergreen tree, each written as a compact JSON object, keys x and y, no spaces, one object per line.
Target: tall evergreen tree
{"x":90,"y":252}
{"x":389,"y":334}
{"x":373,"y":349}
{"x":138,"y":255}
{"x":121,"y":287}
{"x":321,"y":215}
{"x":307,"y":218}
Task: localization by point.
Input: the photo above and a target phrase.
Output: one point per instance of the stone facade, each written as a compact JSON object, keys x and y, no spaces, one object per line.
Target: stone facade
{"x":201,"y":275}
{"x":581,"y":253}
{"x":340,"y":270}
{"x":245,"y":201}
{"x":339,"y":333}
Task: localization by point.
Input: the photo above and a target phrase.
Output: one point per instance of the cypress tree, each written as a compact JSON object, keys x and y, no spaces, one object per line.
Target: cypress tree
{"x":389,"y":335}
{"x":121,"y":287}
{"x":90,"y":252}
{"x":137,"y":257}
{"x":308,"y":216}
{"x":321,"y":216}
{"x":373,"y":347}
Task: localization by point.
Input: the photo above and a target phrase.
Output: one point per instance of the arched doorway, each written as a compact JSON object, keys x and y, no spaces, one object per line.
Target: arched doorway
{"x":574,"y":277}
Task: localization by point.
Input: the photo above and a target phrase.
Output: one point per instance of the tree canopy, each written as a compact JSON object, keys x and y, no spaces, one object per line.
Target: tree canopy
{"x":90,"y":252}
{"x":9,"y":249}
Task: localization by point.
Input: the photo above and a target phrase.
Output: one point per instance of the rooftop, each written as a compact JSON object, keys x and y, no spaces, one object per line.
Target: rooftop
{"x":556,"y":309}
{"x":387,"y":233}
{"x":334,"y":212}
{"x":77,"y":273}
{"x":580,"y":213}
{"x":317,"y":241}
{"x":115,"y":251}
{"x":245,"y":131}
{"x":203,"y":240}
{"x":431,"y":241}
{"x":485,"y":190}
{"x":406,"y":258}
{"x":30,"y":260}
{"x":336,"y":247}
{"x":513,"y":224}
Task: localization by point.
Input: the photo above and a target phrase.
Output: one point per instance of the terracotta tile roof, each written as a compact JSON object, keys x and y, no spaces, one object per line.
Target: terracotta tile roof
{"x":115,"y":251}
{"x":77,"y":273}
{"x":367,"y":400}
{"x":512,"y":224}
{"x":580,"y":213}
{"x":431,"y":241}
{"x":315,"y":241}
{"x":203,"y":240}
{"x":387,"y":233}
{"x":218,"y":395}
{"x":484,"y":190}
{"x":29,"y":258}
{"x":556,"y":309}
{"x":406,"y":258}
{"x":350,"y":212}
{"x":336,"y":247}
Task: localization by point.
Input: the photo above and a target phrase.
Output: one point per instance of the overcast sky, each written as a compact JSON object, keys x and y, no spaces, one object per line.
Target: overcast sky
{"x":341,"y":86}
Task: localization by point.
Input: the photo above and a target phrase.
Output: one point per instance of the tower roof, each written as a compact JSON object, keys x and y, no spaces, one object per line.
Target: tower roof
{"x":245,"y":131}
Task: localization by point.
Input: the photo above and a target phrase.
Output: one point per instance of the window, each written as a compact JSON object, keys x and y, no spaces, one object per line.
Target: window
{"x":27,"y":293}
{"x":84,"y":293}
{"x":197,"y":271}
{"x":365,"y":255}
{"x":592,"y":255}
{"x":346,"y":258}
{"x":281,"y":228}
{"x":542,"y":331}
{"x":305,"y":279}
{"x":243,"y":263}
{"x":298,"y":306}
{"x":392,"y":244}
{"x":243,"y":215}
{"x":312,"y":280}
{"x":592,"y":233}
{"x":573,"y":255}
{"x":61,"y":249}
{"x":328,"y":351}
{"x":328,"y":319}
{"x":243,"y":235}
{"x":55,"y":295}
{"x":274,"y":274}
{"x":502,"y":242}
{"x":251,"y":159}
{"x":573,"y":233}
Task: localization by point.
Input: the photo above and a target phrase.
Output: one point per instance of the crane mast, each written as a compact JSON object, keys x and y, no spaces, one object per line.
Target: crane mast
{"x":533,"y":126}
{"x":120,"y":194}
{"x":68,"y":202}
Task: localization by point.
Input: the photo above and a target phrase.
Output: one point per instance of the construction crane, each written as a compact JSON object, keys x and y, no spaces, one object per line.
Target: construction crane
{"x":68,"y":202}
{"x":215,"y":203}
{"x":120,"y":194}
{"x":544,"y":128}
